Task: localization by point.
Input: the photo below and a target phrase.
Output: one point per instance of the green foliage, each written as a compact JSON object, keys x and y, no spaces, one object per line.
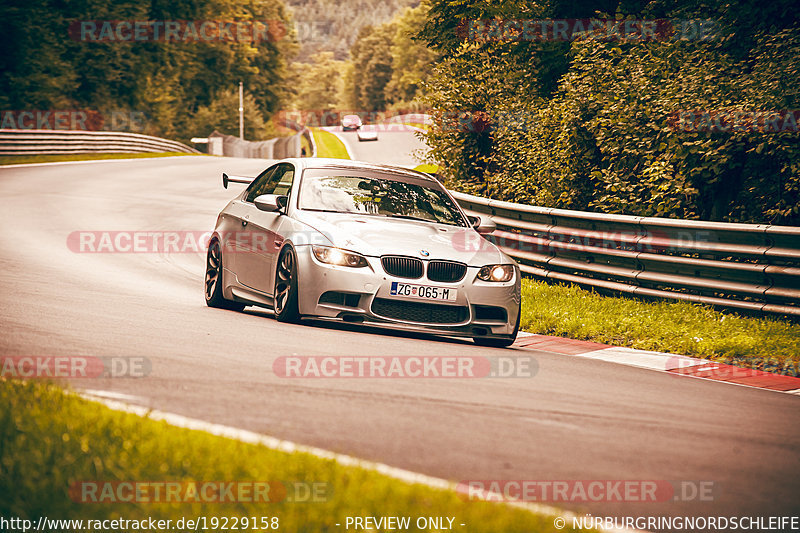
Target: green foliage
{"x":371,"y":58}
{"x":410,"y":58}
{"x":333,"y":25}
{"x":590,"y":125}
{"x":387,"y":65}
{"x":317,"y":85}
{"x":222,"y":115}
{"x":43,"y":68}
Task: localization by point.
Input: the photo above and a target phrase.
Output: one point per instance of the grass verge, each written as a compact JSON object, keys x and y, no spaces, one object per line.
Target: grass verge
{"x":769,"y":344}
{"x":50,"y":440}
{"x":328,"y":144}
{"x":418,"y":125}
{"x":427,"y":167}
{"x":22,"y":159}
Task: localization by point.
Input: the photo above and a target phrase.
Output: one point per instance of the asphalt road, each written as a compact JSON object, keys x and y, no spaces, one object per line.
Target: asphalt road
{"x":396,"y":145}
{"x":576,"y":419}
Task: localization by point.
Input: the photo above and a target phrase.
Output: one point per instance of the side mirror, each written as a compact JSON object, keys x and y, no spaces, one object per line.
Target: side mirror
{"x":482,"y":224}
{"x":271,"y":202}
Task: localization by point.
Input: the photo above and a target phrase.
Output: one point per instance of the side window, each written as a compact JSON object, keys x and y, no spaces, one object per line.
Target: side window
{"x":284,"y":176}
{"x":278,"y":181}
{"x":261,"y":183}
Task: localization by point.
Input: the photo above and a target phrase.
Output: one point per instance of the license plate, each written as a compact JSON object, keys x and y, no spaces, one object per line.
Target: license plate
{"x":423,"y":292}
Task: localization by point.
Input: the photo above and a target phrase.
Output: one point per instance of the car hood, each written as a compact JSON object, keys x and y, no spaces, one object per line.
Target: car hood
{"x":376,"y":236}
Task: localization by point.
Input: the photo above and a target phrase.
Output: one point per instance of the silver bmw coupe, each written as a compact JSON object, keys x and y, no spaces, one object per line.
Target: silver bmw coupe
{"x":333,"y":239}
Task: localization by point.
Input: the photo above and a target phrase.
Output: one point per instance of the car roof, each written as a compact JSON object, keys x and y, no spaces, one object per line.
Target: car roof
{"x":349,"y":164}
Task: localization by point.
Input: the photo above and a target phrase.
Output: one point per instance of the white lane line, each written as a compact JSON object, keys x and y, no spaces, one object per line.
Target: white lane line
{"x":111,"y":395}
{"x":274,"y":443}
{"x":643,"y":359}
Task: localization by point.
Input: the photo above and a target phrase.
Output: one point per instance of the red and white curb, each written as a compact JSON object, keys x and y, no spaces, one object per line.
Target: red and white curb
{"x":662,"y":362}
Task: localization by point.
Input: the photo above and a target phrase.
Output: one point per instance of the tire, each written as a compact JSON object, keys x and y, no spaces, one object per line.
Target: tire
{"x":285,"y":303}
{"x":213,"y":280}
{"x":499,"y":342}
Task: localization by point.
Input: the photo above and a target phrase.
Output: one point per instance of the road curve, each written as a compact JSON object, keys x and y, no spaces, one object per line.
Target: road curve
{"x":396,"y":145}
{"x":576,"y":419}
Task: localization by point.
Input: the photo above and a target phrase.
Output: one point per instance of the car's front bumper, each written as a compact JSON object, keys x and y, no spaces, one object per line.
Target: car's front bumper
{"x":367,"y":299}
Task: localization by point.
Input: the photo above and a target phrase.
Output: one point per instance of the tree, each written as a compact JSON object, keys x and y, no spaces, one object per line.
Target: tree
{"x":371,"y":58}
{"x":51,"y":68}
{"x":318,"y":84}
{"x":223,"y":115}
{"x":411,"y":59}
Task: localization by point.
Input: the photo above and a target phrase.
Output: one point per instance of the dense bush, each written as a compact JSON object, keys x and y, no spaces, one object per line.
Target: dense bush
{"x":592,"y":125}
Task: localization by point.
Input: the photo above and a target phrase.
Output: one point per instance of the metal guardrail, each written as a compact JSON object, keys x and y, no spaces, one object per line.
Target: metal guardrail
{"x":748,"y":267}
{"x":310,"y":137}
{"x":277,"y":148}
{"x":32,"y":142}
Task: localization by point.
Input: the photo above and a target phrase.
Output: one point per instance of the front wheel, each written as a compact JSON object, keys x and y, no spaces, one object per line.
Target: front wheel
{"x":213,"y":290}
{"x":286,"y":309}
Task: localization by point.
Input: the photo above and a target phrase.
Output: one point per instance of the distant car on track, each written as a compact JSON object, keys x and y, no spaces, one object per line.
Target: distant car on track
{"x":367,"y":133}
{"x":332,"y":239}
{"x":351,"y":122}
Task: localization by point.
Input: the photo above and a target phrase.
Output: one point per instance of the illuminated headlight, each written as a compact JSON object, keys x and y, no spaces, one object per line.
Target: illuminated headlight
{"x":335,"y":256}
{"x":497,"y":273}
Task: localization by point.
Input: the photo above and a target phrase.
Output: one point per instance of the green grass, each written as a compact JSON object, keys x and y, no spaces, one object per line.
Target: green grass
{"x":21,"y":159}
{"x":427,"y":167}
{"x":769,"y":344}
{"x":328,"y":144}
{"x":50,"y":440}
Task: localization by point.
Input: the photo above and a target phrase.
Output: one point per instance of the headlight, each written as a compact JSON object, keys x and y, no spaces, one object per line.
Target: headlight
{"x":498,"y":273}
{"x":335,"y":256}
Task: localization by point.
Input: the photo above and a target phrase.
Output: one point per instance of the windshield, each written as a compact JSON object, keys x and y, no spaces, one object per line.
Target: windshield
{"x":377,"y":195}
